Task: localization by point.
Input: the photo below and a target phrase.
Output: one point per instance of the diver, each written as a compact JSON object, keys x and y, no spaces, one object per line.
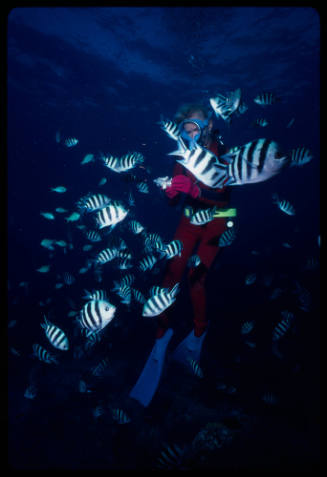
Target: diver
{"x":195,"y":126}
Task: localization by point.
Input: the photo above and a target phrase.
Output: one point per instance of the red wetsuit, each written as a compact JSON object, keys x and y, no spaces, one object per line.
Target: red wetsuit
{"x":207,"y":237}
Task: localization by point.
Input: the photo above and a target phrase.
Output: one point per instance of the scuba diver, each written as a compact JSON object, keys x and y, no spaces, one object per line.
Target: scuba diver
{"x":195,"y":126}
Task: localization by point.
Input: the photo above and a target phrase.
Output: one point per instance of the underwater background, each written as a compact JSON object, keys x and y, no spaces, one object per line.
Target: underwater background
{"x":105,"y":76}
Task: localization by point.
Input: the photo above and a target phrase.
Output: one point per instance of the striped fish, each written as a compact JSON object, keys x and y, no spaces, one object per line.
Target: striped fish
{"x":106,"y":255}
{"x":138,"y":296}
{"x":96,"y":314}
{"x":203,"y":216}
{"x":110,"y":215}
{"x":124,"y":263}
{"x":126,"y":280}
{"x":100,"y":368}
{"x":120,"y":416}
{"x":136,"y":227}
{"x":265,"y":99}
{"x":284,"y":205}
{"x":153,"y":241}
{"x":227,"y":238}
{"x":256,"y":161}
{"x":55,"y":335}
{"x":170,"y":127}
{"x":262,"y":122}
{"x":113,"y":163}
{"x":147,"y":262}
{"x":130,"y":160}
{"x":172,"y":249}
{"x":283,"y":326}
{"x":71,"y":142}
{"x":196,"y":368}
{"x":92,"y":202}
{"x":300,"y":156}
{"x":202,"y":163}
{"x":93,"y":236}
{"x":95,"y":295}
{"x":158,"y":303}
{"x":43,"y":355}
{"x":142,"y":187}
{"x":225,"y":106}
{"x":126,"y":294}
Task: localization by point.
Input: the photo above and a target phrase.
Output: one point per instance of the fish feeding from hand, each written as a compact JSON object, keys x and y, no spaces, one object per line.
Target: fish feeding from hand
{"x":202,"y":163}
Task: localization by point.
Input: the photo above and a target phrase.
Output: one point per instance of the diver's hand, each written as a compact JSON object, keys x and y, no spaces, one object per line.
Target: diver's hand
{"x":181,"y":183}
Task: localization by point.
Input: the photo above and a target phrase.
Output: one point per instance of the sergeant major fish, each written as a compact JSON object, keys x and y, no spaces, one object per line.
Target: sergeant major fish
{"x":203,"y":164}
{"x":110,"y":215}
{"x":96,"y":314}
{"x":159,"y":302}
{"x":256,"y":161}
{"x":225,"y":106}
{"x":55,"y":335}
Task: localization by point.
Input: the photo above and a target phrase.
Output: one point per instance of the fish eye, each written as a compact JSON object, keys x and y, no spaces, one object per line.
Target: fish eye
{"x":107,"y":308}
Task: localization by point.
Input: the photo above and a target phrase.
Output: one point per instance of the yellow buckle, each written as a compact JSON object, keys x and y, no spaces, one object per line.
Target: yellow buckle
{"x":231,"y":212}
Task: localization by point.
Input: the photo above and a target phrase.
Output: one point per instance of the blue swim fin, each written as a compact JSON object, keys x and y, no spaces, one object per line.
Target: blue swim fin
{"x":189,"y":348}
{"x":148,"y":382}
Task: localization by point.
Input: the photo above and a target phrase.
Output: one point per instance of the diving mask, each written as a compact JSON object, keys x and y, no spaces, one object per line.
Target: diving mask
{"x":199,"y":125}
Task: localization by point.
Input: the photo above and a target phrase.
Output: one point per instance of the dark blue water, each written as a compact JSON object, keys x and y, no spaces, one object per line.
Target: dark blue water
{"x":104,"y":76}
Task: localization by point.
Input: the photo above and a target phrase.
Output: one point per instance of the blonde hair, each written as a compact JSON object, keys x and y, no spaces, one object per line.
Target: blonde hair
{"x":185,"y":110}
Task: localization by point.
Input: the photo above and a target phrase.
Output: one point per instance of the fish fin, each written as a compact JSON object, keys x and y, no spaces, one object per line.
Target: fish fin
{"x":174,"y":290}
{"x":228,"y":157}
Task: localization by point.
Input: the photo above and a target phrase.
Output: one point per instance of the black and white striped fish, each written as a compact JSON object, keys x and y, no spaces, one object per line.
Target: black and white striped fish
{"x":158,"y":303}
{"x":197,"y":371}
{"x":120,"y":416}
{"x":153,"y":241}
{"x":147,"y":262}
{"x":194,"y":261}
{"x":203,"y":164}
{"x":138,"y":296}
{"x":284,"y":205}
{"x":225,"y":105}
{"x":172,"y":249}
{"x":227,"y":238}
{"x":283,"y":326}
{"x":256,"y":161}
{"x":99,"y":369}
{"x":130,"y":160}
{"x":170,"y":127}
{"x":106,"y":255}
{"x":300,"y":156}
{"x":68,"y":278}
{"x":203,"y":216}
{"x":55,"y":335}
{"x":92,"y":202}
{"x":124,"y":263}
{"x":43,"y":355}
{"x":125,"y":293}
{"x":262,"y":122}
{"x":110,"y":215}
{"x":143,"y":187}
{"x":135,"y":227}
{"x":93,"y":236}
{"x":71,"y":141}
{"x":96,"y":314}
{"x":113,"y":163}
{"x":126,"y":280}
{"x":265,"y":99}
{"x":95,"y":295}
